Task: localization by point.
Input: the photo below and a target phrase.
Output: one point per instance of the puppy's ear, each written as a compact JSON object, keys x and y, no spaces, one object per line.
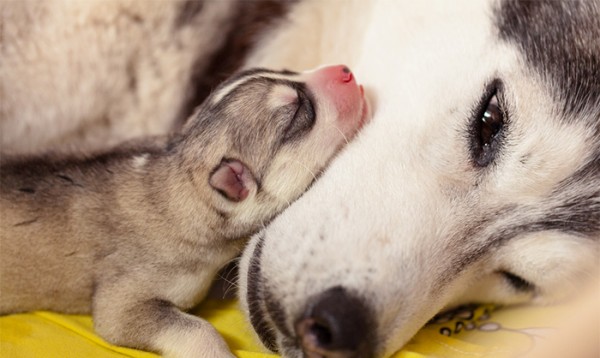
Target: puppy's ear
{"x":232,"y":179}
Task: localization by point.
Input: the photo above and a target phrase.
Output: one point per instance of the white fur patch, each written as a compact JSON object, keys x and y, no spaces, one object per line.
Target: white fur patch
{"x":140,"y":161}
{"x":281,"y":96}
{"x":218,"y":97}
{"x":186,"y":342}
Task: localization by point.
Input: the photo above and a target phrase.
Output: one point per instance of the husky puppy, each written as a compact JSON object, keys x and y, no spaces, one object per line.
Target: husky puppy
{"x":136,"y":235}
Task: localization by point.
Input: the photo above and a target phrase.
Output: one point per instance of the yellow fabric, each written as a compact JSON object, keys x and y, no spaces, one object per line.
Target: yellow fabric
{"x":477,"y":332}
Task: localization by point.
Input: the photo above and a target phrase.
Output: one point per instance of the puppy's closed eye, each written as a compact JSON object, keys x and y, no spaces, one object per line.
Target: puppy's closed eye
{"x":303,"y":119}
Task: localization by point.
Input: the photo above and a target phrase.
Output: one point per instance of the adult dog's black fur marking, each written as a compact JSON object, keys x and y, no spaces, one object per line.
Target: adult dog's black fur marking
{"x":255,"y":296}
{"x":560,"y":40}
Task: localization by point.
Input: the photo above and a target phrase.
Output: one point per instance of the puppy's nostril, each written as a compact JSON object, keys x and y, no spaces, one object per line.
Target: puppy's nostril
{"x":336,"y":323}
{"x":347,"y":76}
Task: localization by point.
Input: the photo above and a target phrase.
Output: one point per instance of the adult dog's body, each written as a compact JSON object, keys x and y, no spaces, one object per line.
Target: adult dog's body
{"x":433,"y":205}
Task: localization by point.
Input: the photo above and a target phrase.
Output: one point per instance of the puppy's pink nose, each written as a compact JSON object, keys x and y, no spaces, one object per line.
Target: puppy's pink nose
{"x":336,"y":90}
{"x":337,"y":73}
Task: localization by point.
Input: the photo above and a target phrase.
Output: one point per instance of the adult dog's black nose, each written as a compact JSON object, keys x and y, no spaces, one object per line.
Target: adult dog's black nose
{"x":336,"y":324}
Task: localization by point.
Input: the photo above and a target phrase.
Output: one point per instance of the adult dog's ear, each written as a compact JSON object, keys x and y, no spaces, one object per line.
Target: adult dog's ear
{"x":232,"y":179}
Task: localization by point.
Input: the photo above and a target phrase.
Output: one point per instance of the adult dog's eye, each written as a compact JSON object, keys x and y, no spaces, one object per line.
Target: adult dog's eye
{"x":487,"y":129}
{"x":517,"y":282}
{"x":492,"y":122}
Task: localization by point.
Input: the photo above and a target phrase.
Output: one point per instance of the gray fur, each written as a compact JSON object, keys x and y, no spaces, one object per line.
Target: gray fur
{"x":91,"y":74}
{"x":560,"y":41}
{"x":116,"y":233}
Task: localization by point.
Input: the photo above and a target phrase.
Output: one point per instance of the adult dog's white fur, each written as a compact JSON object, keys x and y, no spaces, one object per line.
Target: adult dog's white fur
{"x":404,"y":220}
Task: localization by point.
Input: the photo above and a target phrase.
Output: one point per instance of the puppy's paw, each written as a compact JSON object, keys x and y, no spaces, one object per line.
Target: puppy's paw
{"x":193,"y":342}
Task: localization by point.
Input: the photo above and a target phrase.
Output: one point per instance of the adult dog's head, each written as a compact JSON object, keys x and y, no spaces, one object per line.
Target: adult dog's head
{"x":477,"y":180}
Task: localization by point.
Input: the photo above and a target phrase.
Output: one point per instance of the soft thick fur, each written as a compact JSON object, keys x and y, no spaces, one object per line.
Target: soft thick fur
{"x":91,"y":74}
{"x":408,"y":221}
{"x":413,"y":218}
{"x":137,"y":234}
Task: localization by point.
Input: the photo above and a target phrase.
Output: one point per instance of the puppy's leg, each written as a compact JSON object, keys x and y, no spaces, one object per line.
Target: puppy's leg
{"x":147,"y":322}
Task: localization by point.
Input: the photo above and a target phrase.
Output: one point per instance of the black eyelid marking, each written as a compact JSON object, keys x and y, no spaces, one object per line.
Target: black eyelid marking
{"x":517,"y":282}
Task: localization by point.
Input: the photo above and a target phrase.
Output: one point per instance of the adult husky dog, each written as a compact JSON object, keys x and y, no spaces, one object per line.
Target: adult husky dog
{"x":477,"y":180}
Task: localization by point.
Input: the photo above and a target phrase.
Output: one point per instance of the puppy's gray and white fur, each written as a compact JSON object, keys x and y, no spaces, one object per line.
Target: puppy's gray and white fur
{"x":137,"y":234}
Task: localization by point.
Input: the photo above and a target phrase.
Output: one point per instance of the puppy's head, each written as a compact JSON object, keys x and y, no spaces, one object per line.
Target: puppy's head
{"x":262,"y":137}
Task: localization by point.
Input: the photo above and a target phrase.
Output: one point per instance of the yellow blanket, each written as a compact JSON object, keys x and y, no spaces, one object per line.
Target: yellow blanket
{"x":481,"y":331}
